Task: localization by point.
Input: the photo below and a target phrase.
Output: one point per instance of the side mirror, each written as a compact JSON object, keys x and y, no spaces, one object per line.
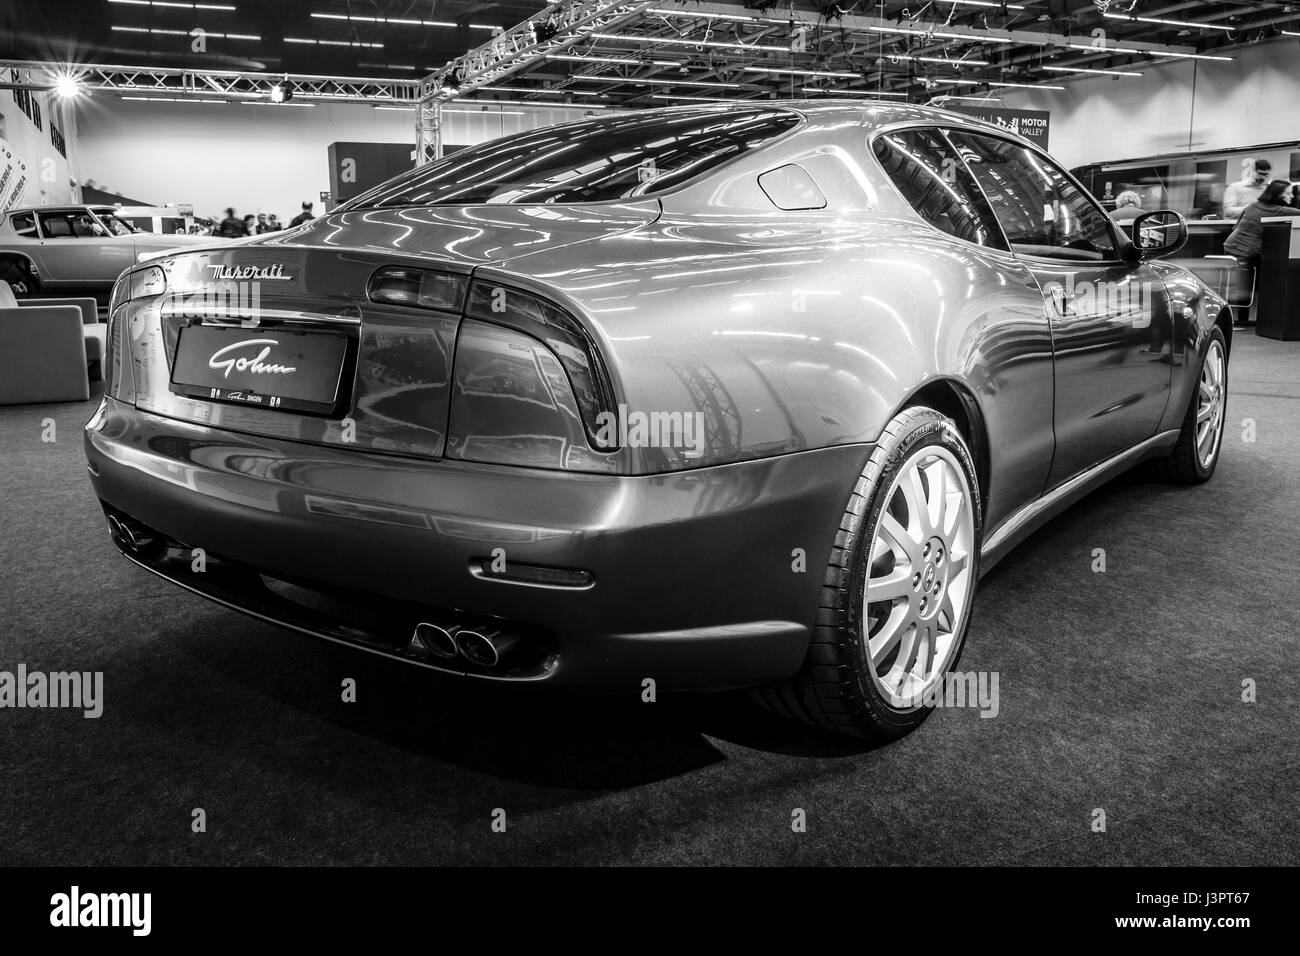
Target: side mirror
{"x":1158,"y":234}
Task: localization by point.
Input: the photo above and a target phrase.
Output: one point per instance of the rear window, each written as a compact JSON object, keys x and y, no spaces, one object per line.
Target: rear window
{"x":602,"y":160}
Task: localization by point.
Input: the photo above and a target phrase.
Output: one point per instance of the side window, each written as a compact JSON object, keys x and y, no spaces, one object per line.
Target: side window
{"x":929,"y":173}
{"x":66,"y":225}
{"x":1042,"y":212}
{"x":24,"y":224}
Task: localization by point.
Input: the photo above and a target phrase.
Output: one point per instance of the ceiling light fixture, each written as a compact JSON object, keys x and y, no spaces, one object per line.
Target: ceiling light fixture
{"x":486,"y":112}
{"x":1111,"y":48}
{"x":1084,"y":69}
{"x":308,"y":40}
{"x":223,"y":7}
{"x":401,"y":21}
{"x":837,"y":74}
{"x":693,"y":99}
{"x":661,"y":81}
{"x":972,"y":38}
{"x":833,"y":92}
{"x":171,"y":99}
{"x":1170,"y":23}
{"x":941,"y":60}
{"x":1025,"y":86}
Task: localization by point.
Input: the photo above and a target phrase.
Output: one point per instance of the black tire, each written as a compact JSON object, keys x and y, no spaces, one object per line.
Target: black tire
{"x":834,"y":690}
{"x":1183,"y":465}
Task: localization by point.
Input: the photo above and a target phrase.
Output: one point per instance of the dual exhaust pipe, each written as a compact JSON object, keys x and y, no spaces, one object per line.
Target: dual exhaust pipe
{"x":484,"y":646}
{"x":132,"y":536}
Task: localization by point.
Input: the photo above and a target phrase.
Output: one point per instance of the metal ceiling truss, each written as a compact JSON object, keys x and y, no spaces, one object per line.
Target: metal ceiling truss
{"x":682,"y":49}
{"x":548,"y":32}
{"x":232,"y":85}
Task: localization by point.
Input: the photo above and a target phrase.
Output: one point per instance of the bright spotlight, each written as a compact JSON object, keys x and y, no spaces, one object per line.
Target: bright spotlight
{"x":67,"y":86}
{"x":277,"y":93}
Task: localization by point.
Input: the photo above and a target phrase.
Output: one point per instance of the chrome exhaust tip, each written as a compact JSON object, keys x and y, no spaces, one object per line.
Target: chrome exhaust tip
{"x":131,"y":535}
{"x":433,"y":639}
{"x":484,"y":647}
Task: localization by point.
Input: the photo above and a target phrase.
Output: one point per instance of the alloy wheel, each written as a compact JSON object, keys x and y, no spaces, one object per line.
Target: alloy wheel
{"x":1210,"y":405}
{"x":920,"y":582}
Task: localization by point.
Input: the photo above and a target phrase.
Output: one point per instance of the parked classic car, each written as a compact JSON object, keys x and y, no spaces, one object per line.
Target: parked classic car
{"x":715,"y":397}
{"x":74,"y":248}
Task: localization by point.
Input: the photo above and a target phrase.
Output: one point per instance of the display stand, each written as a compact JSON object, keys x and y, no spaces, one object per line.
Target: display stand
{"x":1278,"y":310}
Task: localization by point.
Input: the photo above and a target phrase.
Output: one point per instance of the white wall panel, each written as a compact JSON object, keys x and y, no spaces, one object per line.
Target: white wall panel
{"x":254,"y":158}
{"x":1176,"y":106}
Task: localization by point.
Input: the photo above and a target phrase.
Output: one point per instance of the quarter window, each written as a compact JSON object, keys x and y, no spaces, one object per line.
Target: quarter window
{"x":24,"y":224}
{"x":931,"y":176}
{"x":1041,"y":211}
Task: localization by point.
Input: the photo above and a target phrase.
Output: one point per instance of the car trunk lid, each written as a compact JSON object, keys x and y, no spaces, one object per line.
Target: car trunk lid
{"x":280,"y":337}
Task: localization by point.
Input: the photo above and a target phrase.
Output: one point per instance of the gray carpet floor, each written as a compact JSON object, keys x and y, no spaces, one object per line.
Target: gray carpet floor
{"x":1119,"y":691}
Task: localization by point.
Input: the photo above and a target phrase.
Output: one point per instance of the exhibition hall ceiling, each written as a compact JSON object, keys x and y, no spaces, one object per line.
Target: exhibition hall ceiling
{"x":675,"y":50}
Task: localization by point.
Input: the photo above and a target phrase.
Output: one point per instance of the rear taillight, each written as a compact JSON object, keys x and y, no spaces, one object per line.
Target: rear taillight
{"x":134,"y":284}
{"x":564,"y":336}
{"x":418,"y":288}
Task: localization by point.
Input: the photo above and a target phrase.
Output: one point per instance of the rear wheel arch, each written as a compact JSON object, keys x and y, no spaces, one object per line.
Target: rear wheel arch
{"x":955,"y":400}
{"x":1224,"y":322}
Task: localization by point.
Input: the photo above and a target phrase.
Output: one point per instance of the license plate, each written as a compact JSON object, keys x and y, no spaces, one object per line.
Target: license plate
{"x":291,"y":371}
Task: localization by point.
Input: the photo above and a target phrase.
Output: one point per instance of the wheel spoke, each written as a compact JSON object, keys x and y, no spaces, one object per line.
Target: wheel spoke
{"x":896,"y":643}
{"x":917,"y":506}
{"x":952,"y":514}
{"x":937,"y":478}
{"x":901,"y":537}
{"x":887,"y":638}
{"x":925,"y":653}
{"x":959,"y":560}
{"x":896,"y":584}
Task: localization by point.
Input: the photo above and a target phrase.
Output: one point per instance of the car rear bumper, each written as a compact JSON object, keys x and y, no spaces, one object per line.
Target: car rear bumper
{"x":692,"y":578}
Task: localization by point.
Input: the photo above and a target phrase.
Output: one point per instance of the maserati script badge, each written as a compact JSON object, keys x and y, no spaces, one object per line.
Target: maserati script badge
{"x":264,"y":273}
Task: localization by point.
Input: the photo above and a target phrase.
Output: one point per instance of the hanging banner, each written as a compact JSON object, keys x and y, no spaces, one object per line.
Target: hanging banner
{"x":13,"y":177}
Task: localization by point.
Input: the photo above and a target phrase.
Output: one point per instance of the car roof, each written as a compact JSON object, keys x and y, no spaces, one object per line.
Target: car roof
{"x":69,"y":207}
{"x":873,"y":114}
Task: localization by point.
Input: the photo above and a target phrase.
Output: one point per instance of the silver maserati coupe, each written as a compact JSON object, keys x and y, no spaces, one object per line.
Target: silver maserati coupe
{"x":714,"y":397}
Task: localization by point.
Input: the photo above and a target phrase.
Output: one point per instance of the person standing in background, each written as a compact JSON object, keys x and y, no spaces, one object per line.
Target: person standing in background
{"x":1238,"y":196}
{"x":231,"y":228}
{"x":262,"y":224}
{"x":250,"y":225}
{"x":305,"y":216}
{"x":274,"y":222}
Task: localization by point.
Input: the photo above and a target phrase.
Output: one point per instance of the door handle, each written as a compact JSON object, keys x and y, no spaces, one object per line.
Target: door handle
{"x":1062,"y":303}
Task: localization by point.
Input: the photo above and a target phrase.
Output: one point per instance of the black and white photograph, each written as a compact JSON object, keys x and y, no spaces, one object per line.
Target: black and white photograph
{"x":650,"y":433}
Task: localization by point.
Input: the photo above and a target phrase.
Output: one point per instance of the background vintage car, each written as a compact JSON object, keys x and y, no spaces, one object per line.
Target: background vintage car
{"x":74,"y":248}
